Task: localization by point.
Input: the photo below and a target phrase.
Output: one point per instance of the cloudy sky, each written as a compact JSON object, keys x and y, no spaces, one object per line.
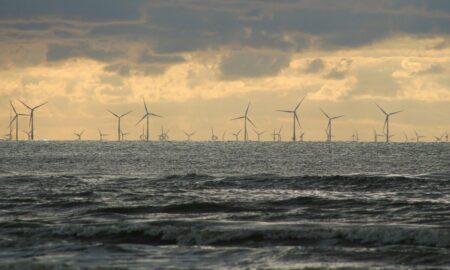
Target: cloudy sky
{"x":198,"y":63}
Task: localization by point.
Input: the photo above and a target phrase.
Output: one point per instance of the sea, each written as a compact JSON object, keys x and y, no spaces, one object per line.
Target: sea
{"x":224,"y":205}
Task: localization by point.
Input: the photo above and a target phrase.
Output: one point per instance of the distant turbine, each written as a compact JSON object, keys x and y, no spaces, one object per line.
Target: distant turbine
{"x":329,"y":126}
{"x":259,"y":134}
{"x":438,"y":139}
{"x":274,"y":135}
{"x":301,"y":136}
{"x":418,"y":137}
{"x":32,"y":109}
{"x":28,"y":134}
{"x":295,"y":118}
{"x":189,"y":135}
{"x":16,"y":118}
{"x":246,"y":118}
{"x":213,"y":136}
{"x":164,"y":136}
{"x":376,"y":135}
{"x":79,"y":135}
{"x":101,"y":134}
{"x":446,"y":136}
{"x":406,"y":137}
{"x":147,"y":116}
{"x":386,"y":121}
{"x":236,"y":135}
{"x":119,"y":117}
{"x":223,"y":135}
{"x":279,"y":134}
{"x":123,"y":134}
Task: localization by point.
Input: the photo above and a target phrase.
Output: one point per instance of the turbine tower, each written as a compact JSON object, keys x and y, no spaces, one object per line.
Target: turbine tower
{"x":386,"y":121}
{"x":301,"y":136}
{"x":376,"y":135}
{"x":418,"y":137}
{"x":79,"y":135}
{"x":101,"y":134}
{"x":32,"y":109}
{"x":329,"y":126}
{"x":147,"y":116}
{"x":123,"y":134}
{"x":274,"y":135}
{"x":295,"y":118}
{"x":246,"y":118}
{"x":259,"y":134}
{"x":119,"y":118}
{"x":223,"y":135}
{"x":189,"y":135}
{"x":279,"y":134}
{"x":15,"y":118}
{"x":213,"y":136}
{"x":406,"y":137}
{"x":236,"y":135}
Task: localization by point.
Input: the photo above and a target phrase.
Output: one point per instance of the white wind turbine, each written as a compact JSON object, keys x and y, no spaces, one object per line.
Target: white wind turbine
{"x":295,"y":118}
{"x":279,"y":133}
{"x":16,"y":118}
{"x":223,"y":135}
{"x":376,"y":135}
{"x":147,"y":116}
{"x":329,"y":125}
{"x":418,"y":137}
{"x":119,"y":118}
{"x":246,"y":118}
{"x":301,"y":136}
{"x":32,"y":109}
{"x":386,"y":121}
{"x":123,"y":134}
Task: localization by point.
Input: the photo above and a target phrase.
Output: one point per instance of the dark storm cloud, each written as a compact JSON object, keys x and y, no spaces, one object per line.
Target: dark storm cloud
{"x":174,"y":27}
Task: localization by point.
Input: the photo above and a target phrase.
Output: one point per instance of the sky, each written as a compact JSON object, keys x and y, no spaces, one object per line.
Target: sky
{"x":199,"y":63}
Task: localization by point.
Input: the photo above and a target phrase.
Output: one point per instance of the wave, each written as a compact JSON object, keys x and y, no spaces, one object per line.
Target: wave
{"x":240,"y":233}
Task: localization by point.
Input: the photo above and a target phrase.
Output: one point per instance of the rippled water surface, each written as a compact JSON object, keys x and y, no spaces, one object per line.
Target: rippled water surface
{"x":134,"y":205}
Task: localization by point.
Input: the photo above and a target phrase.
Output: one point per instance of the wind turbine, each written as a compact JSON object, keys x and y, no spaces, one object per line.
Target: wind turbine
{"x":446,"y":136}
{"x":164,"y":136}
{"x":123,"y":134}
{"x":301,"y":136}
{"x":213,"y":136}
{"x":16,"y":118}
{"x":79,"y":135}
{"x":386,"y":121}
{"x":438,"y":139}
{"x":101,"y":134}
{"x":406,"y":137}
{"x":147,"y":116}
{"x":246,"y":118}
{"x":279,"y":133}
{"x":418,"y":137}
{"x":32,"y":109}
{"x":329,"y":126}
{"x":274,"y":135}
{"x":295,"y":118}
{"x":259,"y":134}
{"x":28,"y":134}
{"x":189,"y":135}
{"x":376,"y":135}
{"x":119,"y":117}
{"x":223,"y":135}
{"x":236,"y":135}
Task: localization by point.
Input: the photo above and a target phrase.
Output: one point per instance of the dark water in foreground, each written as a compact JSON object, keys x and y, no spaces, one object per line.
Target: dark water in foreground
{"x":90,"y":205}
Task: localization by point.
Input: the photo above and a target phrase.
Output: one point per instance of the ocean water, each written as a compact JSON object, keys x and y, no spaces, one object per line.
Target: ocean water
{"x":215,"y":205}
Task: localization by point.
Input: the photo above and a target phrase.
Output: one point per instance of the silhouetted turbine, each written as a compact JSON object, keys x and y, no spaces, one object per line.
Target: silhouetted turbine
{"x":79,"y":135}
{"x":119,"y":117}
{"x":329,"y":126}
{"x":213,"y":136}
{"x":32,"y":109}
{"x":189,"y":135}
{"x":101,"y":134}
{"x":295,"y":118}
{"x":147,"y":116}
{"x":246,"y":118}
{"x":236,"y":135}
{"x":16,"y":118}
{"x":386,"y":121}
{"x":259,"y":134}
{"x":418,"y":137}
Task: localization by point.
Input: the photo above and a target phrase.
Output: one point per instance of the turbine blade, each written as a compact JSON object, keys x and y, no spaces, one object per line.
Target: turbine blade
{"x":248,"y":107}
{"x":112,"y":113}
{"x":381,"y":109}
{"x":298,"y":120}
{"x":82,"y":132}
{"x":125,"y":114}
{"x":153,"y":114}
{"x":237,"y":118}
{"x":24,"y":104}
{"x":145,"y":105}
{"x":40,"y":105}
{"x":251,"y":122}
{"x":324,"y":113}
{"x":395,"y":112}
{"x":298,"y":105}
{"x":336,"y":117}
{"x":12,"y":120}
{"x":143,"y":117}
{"x":12,"y":106}
{"x":285,"y":111}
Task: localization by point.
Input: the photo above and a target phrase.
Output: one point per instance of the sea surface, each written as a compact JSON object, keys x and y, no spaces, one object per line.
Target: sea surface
{"x":224,"y":205}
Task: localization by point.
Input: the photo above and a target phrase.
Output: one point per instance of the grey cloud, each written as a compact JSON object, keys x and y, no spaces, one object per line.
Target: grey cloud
{"x":244,"y":65}
{"x":57,"y":52}
{"x":130,"y":69}
{"x":432,"y":70}
{"x":340,"y":71}
{"x":315,"y":66}
{"x":147,"y":58}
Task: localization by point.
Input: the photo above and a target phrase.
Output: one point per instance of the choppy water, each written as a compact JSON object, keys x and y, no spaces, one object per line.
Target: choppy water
{"x":91,"y":205}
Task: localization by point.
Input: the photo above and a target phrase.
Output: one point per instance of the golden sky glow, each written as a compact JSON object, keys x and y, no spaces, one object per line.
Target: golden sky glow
{"x":198,"y":63}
